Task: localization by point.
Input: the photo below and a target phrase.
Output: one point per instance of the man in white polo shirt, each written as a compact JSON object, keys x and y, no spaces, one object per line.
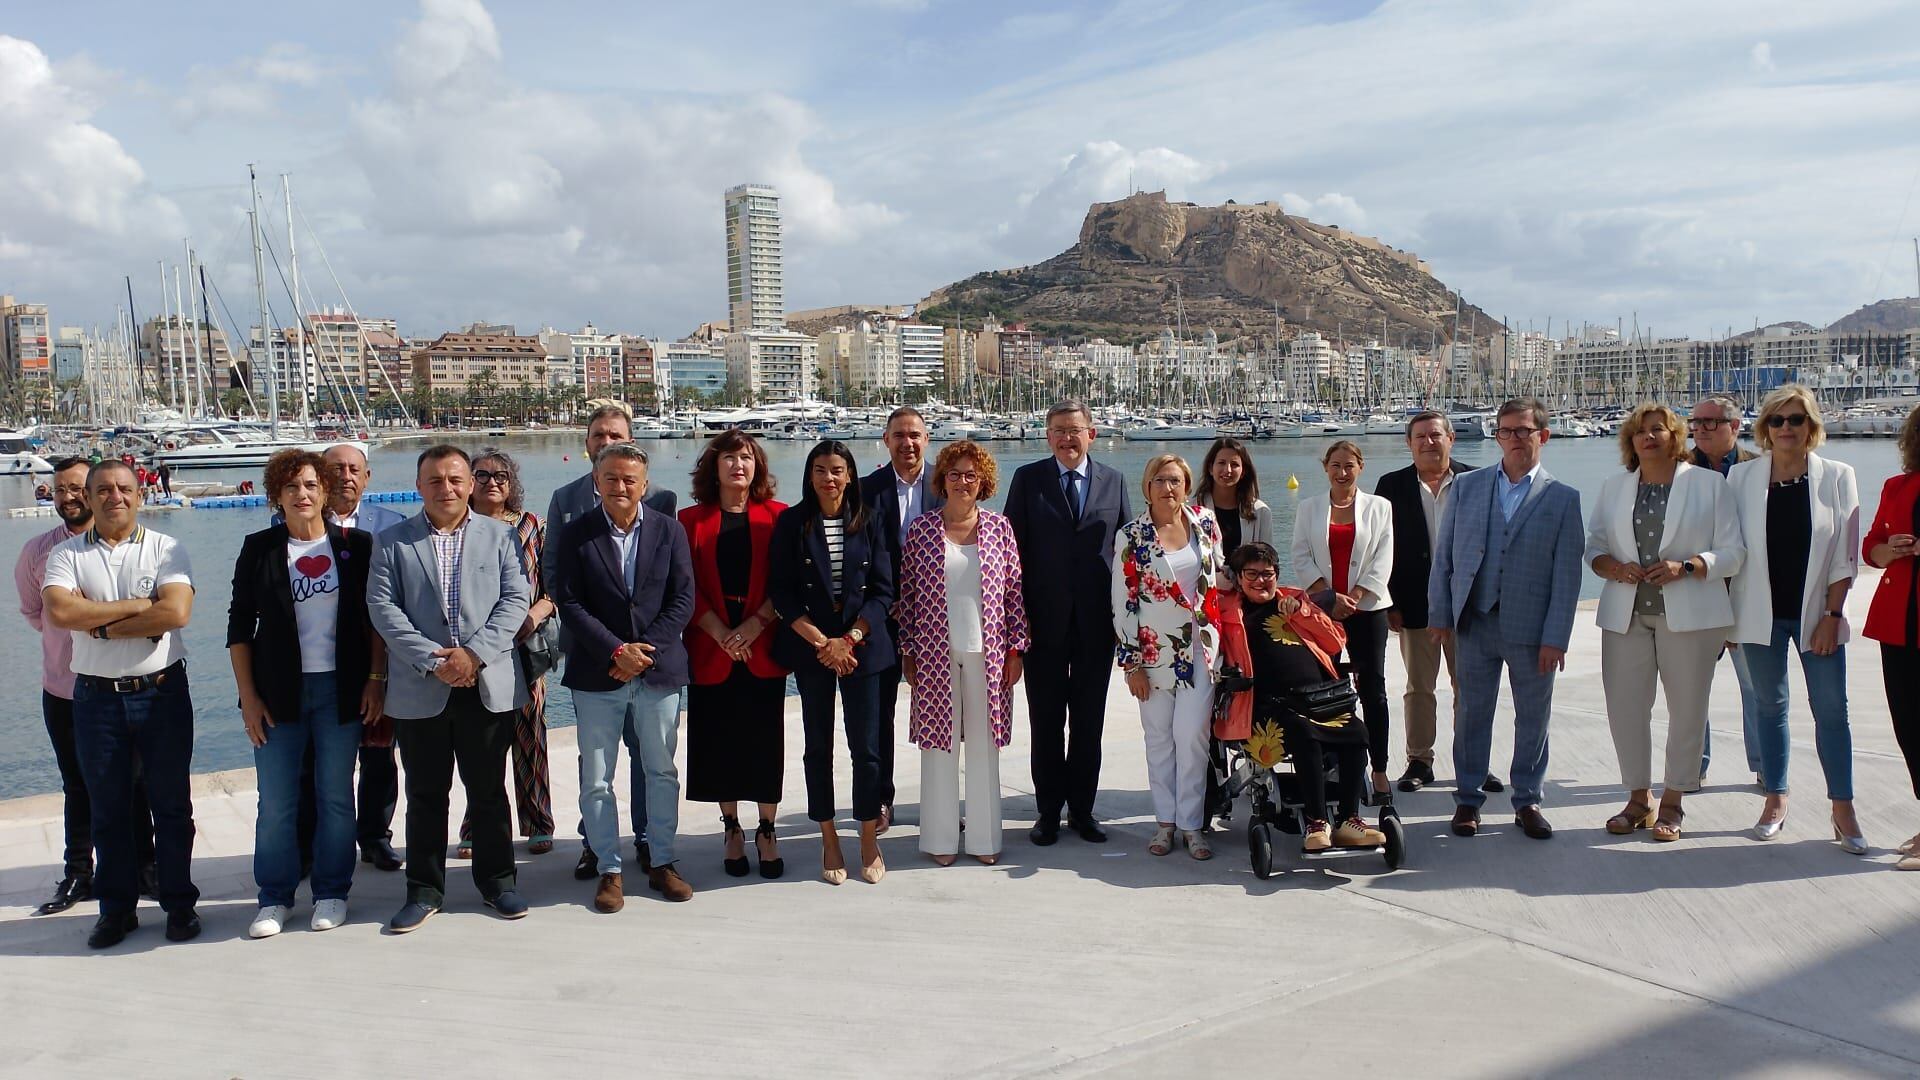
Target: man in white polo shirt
{"x":125,"y":592}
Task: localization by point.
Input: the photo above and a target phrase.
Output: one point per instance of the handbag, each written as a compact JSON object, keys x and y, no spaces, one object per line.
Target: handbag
{"x":1328,"y":710}
{"x":540,"y":653}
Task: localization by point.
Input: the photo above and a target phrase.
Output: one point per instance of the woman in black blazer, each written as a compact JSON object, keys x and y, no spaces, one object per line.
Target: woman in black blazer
{"x":311,"y":673}
{"x":832,"y":584}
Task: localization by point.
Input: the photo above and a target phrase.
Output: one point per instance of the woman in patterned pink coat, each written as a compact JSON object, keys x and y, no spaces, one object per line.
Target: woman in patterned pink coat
{"x":963,"y":627}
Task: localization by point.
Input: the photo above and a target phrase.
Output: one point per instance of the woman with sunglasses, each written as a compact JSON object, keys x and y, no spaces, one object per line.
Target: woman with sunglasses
{"x":1800,"y":514}
{"x":497,"y":493}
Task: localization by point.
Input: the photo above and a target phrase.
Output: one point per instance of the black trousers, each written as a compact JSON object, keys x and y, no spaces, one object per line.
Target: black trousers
{"x":1309,"y":760}
{"x":860,"y":706}
{"x":1367,"y":635}
{"x":58,"y":713}
{"x":109,"y":730}
{"x":889,"y":704}
{"x":1900,"y":669}
{"x":467,"y":735}
{"x":1067,"y":703}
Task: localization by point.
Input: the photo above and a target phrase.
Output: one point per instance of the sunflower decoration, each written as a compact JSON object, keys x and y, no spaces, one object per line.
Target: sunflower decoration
{"x":1267,"y":745}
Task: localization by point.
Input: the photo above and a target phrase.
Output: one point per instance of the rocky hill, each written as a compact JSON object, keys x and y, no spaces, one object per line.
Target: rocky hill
{"x":1232,"y":266}
{"x":1883,"y":317}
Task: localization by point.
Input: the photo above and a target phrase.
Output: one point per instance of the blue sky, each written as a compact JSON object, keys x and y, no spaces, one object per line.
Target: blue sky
{"x":1695,"y":165}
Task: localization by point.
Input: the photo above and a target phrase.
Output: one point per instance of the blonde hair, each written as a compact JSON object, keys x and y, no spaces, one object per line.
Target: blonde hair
{"x":1161,"y":461}
{"x":1636,"y":422}
{"x":1349,"y":447}
{"x":1780,"y":399}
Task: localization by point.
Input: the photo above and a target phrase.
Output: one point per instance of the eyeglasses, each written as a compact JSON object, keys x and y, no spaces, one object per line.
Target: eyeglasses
{"x":70,"y":489}
{"x":1780,"y":420}
{"x":955,"y":476}
{"x":1708,"y":423}
{"x":1067,"y":432}
{"x":483,"y":477}
{"x":1259,"y":576}
{"x":1514,"y":434}
{"x":1169,"y":481}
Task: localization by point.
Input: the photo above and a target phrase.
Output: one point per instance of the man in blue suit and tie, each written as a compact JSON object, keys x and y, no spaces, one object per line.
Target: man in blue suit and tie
{"x":898,"y":492}
{"x":1506,"y":577}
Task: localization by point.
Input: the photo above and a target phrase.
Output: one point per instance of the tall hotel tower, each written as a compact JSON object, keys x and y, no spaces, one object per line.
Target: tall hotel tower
{"x":756,"y":294}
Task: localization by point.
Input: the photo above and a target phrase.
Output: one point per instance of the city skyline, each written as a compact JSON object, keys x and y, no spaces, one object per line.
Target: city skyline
{"x":1550,"y":163}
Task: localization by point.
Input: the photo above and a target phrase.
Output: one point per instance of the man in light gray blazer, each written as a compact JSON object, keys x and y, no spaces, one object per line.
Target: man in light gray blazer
{"x":1506,"y":577}
{"x":447,"y":593}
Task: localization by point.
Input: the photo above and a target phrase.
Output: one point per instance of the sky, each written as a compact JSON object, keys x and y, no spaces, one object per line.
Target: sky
{"x":1687,"y":168}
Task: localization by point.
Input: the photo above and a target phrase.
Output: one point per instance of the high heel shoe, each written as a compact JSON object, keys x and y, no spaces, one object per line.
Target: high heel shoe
{"x":1767,"y":830}
{"x":769,"y":868}
{"x":734,"y":867}
{"x":1852,"y":845}
{"x":835,"y":875}
{"x":872,"y":872}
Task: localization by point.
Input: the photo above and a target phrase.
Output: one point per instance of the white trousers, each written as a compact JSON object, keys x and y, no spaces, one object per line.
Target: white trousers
{"x":940,"y":771}
{"x":1175,"y":723}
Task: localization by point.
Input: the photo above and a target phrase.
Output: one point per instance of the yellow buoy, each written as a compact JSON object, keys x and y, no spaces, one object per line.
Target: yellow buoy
{"x":1293,"y":483}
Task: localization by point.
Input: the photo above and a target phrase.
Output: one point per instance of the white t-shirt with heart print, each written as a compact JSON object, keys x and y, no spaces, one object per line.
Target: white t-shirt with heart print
{"x":315,"y":581}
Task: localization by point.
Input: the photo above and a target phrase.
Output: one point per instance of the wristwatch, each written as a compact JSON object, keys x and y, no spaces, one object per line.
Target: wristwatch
{"x":857,"y":635}
{"x":1838,"y":615}
{"x":1686,"y":567}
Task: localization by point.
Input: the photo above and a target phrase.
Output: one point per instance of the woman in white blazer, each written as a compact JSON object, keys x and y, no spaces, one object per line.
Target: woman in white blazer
{"x":1800,"y":514}
{"x":1343,"y":541}
{"x":1231,"y":489}
{"x":1665,"y":538}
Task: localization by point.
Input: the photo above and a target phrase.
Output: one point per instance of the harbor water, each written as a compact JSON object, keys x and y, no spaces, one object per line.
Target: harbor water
{"x":213,"y":537}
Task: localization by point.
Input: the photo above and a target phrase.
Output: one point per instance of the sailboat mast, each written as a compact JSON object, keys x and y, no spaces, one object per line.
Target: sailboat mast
{"x":260,"y":293}
{"x":299,"y":316}
{"x":199,"y":364}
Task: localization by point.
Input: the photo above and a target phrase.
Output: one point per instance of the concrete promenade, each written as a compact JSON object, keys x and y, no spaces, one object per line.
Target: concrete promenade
{"x":1496,"y":956}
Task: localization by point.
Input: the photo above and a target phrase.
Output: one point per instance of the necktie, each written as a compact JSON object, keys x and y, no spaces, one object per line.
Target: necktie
{"x":1073,"y":494}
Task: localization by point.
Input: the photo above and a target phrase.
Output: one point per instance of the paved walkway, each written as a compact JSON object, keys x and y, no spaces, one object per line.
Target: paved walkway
{"x":1496,"y":956}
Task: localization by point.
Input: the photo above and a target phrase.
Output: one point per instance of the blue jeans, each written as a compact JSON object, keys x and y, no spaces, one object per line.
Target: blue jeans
{"x":1749,"y":718}
{"x":1826,"y":691}
{"x":1481,"y":654}
{"x":603,"y":718}
{"x":276,"y":834}
{"x":109,"y":729}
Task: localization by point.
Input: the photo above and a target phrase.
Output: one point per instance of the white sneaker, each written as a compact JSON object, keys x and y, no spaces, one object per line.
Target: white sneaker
{"x":269,"y":921}
{"x":328,"y":914}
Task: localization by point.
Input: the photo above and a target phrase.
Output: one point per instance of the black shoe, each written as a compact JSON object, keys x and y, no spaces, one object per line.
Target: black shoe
{"x":69,"y":892}
{"x":183,"y":925}
{"x":769,"y":868}
{"x":381,"y":854}
{"x":1044,"y":833}
{"x":409,"y":918}
{"x":150,"y":882}
{"x":111,"y":930}
{"x":1493,"y":784}
{"x":734,"y":867}
{"x":1418,"y":775}
{"x":1087,"y":829}
{"x":643,"y":854}
{"x":588,"y":867}
{"x":509,"y":904}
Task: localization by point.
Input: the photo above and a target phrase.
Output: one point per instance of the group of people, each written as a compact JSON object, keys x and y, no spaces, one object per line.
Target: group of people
{"x":353,"y":630}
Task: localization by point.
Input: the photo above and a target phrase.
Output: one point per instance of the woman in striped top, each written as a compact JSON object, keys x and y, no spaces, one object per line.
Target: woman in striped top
{"x":831,"y":583}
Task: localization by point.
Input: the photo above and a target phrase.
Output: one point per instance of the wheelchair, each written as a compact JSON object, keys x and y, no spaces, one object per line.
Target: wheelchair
{"x":1262,"y":769}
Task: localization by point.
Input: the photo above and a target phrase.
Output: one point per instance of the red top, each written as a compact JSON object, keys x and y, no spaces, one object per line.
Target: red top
{"x":1887,"y":617}
{"x":709,"y":664}
{"x":1340,"y":553}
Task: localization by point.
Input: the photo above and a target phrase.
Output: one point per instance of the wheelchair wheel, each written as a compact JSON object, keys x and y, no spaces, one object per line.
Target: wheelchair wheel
{"x":1260,"y":849}
{"x":1396,"y":840}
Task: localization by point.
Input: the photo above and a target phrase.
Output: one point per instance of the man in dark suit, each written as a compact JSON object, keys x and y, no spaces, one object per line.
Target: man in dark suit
{"x":607,"y":425}
{"x":1065,"y":511}
{"x":1419,"y":494}
{"x":897,"y":492}
{"x":624,"y":587}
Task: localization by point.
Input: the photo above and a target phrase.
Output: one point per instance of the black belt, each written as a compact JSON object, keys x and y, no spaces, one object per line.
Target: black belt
{"x":133,"y":684}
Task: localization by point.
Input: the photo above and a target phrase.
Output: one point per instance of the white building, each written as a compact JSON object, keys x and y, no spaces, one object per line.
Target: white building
{"x":756,"y":289}
{"x":920,"y":348}
{"x":689,"y":367}
{"x":1309,"y":365}
{"x":772,"y":365}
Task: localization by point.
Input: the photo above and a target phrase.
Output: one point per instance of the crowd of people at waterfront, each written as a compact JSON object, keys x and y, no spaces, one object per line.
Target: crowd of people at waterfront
{"x":354,"y":631}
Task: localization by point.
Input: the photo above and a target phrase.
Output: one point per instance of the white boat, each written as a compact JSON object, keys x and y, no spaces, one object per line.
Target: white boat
{"x":216,"y":448}
{"x":18,"y":459}
{"x":1468,"y":426}
{"x":1378,"y":424}
{"x":1162,"y":431}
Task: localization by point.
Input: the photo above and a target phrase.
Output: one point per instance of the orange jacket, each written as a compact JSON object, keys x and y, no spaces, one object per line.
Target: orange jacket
{"x":1316,"y":629}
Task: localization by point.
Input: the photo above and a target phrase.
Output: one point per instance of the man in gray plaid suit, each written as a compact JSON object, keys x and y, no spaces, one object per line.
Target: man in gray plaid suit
{"x":1506,"y":577}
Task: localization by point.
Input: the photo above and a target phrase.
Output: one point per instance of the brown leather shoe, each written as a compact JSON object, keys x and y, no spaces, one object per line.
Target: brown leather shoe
{"x":1466,"y":820}
{"x":667,"y":881}
{"x":1533,"y":822}
{"x":611,"y":896}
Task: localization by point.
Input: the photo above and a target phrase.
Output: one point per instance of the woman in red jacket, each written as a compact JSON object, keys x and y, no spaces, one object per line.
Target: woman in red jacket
{"x":1894,"y":618}
{"x":736,"y":705}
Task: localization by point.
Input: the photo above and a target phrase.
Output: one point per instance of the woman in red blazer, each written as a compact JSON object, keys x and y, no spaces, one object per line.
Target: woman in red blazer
{"x":736,"y":705}
{"x":1894,"y":618}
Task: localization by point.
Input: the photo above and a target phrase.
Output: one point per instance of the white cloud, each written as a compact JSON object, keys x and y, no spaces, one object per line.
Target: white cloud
{"x":1762,"y":56}
{"x":248,"y":88}
{"x":1332,"y":208}
{"x":1101,"y":172}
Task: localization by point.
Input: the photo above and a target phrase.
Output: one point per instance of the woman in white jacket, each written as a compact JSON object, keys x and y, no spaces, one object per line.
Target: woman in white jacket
{"x":1800,"y":514}
{"x":1230,"y":488}
{"x":1664,"y":537}
{"x":1343,"y":541}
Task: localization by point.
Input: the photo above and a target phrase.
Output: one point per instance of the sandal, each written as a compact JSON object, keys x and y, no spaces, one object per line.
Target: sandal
{"x":464,"y":850}
{"x":1667,"y":829}
{"x":1162,"y":841}
{"x":769,"y":868}
{"x":1637,"y":815}
{"x":539,"y":844}
{"x":1197,"y":845}
{"x":731,"y":826}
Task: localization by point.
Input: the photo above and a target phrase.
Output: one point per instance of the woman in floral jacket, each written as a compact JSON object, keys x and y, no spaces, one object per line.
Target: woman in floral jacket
{"x":963,"y":627}
{"x":1164,"y":610}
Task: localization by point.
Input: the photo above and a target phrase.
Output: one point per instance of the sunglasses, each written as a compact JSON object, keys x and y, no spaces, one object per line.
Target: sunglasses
{"x":1780,"y":420}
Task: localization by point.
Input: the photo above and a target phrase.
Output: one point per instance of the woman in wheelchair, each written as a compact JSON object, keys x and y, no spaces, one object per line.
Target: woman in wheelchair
{"x":1290,"y":643}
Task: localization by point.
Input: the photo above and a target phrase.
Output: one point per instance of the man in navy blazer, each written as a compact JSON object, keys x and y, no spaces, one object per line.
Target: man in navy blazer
{"x":1065,"y":511}
{"x":896,"y":493}
{"x":1506,"y":577}
{"x":624,"y":587}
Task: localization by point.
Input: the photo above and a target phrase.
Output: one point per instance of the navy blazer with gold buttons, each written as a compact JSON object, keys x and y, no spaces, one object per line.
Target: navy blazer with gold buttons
{"x":800,"y":582}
